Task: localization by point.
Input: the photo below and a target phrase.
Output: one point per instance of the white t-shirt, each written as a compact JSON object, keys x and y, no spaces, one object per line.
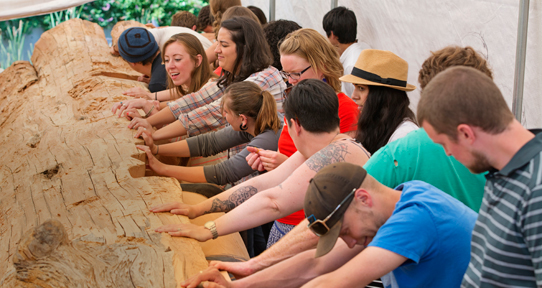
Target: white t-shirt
{"x":403,"y":129}
{"x":161,"y":35}
{"x":348,"y":59}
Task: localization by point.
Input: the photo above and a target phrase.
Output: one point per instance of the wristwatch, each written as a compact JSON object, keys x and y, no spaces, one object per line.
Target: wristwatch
{"x":212,"y":227}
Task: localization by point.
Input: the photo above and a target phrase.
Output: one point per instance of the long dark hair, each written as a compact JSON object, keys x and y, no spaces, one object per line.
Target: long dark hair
{"x":384,"y":109}
{"x":253,"y":54}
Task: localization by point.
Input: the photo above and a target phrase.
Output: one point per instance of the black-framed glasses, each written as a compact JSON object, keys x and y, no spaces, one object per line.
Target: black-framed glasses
{"x":294,"y":75}
{"x":319,"y":227}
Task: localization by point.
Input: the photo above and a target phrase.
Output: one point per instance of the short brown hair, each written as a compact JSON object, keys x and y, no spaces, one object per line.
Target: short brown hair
{"x":463,"y":95}
{"x":448,"y":57}
{"x":205,"y":18}
{"x":184,"y":19}
{"x":309,"y":44}
{"x":239,"y":11}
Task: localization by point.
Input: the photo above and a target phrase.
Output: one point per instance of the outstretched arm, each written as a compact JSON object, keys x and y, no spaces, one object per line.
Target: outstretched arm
{"x":371,"y":264}
{"x":298,"y":240}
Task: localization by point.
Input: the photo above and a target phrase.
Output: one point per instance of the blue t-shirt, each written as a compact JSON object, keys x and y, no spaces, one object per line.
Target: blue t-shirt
{"x":433,"y":230}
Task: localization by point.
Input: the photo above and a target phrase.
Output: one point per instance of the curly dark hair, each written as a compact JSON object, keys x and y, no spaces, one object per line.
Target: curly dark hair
{"x":205,"y":18}
{"x":275,"y":32}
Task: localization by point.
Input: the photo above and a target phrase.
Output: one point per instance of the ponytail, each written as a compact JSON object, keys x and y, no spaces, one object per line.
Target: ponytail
{"x":248,"y":99}
{"x":267,"y":117}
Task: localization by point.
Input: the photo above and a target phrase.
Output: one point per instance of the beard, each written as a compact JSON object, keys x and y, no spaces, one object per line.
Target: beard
{"x":480,"y":163}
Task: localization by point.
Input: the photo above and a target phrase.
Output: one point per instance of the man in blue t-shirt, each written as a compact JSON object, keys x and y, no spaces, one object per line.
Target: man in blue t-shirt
{"x":419,"y":233}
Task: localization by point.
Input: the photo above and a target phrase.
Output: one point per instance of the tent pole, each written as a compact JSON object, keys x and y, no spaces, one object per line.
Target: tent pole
{"x":334,"y":4}
{"x":271,"y":10}
{"x":521,"y":51}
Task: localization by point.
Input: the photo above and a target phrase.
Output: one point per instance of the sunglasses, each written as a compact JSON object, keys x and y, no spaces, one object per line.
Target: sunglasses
{"x":293,"y":75}
{"x":319,"y":227}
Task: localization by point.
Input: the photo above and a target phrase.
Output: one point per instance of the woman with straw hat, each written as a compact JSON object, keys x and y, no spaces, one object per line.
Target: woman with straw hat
{"x":380,"y":78}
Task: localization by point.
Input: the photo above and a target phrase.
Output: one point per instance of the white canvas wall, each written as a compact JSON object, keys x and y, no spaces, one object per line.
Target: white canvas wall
{"x":12,"y":9}
{"x":413,"y":28}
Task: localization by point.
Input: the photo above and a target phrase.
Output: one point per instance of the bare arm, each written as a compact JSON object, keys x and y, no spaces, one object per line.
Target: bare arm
{"x":298,"y":240}
{"x":371,"y":264}
{"x":301,"y":268}
{"x":172,"y":130}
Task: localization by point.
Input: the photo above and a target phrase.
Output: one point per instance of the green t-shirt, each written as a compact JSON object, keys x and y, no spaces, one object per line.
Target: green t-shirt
{"x":417,"y":157}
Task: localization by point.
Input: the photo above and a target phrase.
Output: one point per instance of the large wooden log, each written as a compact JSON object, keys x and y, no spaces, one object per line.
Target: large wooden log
{"x":73,"y":197}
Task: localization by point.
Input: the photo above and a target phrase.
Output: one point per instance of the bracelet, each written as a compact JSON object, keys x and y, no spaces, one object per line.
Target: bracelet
{"x":149,"y":113}
{"x":155,"y":95}
{"x":157,"y":149}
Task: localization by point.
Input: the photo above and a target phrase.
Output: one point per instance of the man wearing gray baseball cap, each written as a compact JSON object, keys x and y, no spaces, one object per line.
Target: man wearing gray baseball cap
{"x":415,"y":235}
{"x":419,"y":233}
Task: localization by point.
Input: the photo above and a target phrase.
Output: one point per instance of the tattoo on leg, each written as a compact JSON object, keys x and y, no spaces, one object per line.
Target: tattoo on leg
{"x":333,"y":153}
{"x":237,"y":197}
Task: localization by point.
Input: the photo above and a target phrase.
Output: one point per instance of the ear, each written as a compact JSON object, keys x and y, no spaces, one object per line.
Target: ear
{"x":363,"y":197}
{"x":194,"y":27}
{"x":465,"y":134}
{"x":295,"y":126}
{"x":333,"y":36}
{"x":199,"y":58}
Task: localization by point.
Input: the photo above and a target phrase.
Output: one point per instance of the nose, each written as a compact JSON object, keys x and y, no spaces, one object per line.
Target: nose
{"x":217,"y":49}
{"x":170,"y":64}
{"x":292,"y":80}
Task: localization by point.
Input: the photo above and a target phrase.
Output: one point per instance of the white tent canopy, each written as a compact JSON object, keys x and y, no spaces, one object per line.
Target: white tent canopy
{"x":412,"y":29}
{"x":12,"y":9}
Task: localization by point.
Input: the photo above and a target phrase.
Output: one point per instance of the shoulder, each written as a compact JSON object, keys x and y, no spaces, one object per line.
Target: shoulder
{"x":402,"y":130}
{"x":265,"y":74}
{"x":343,"y":150}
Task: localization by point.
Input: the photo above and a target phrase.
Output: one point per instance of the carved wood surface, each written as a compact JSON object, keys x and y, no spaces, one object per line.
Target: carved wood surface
{"x":65,"y":157}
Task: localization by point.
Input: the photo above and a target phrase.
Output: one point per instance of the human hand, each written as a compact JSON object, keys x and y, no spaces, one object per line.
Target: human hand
{"x":268,"y":159}
{"x":189,"y":230}
{"x":238,"y":269}
{"x":144,"y":79}
{"x":128,"y":104}
{"x":154,"y":164}
{"x":147,"y":137}
{"x":137,"y":123}
{"x":138,"y":92}
{"x":211,"y":274}
{"x":176,"y":208}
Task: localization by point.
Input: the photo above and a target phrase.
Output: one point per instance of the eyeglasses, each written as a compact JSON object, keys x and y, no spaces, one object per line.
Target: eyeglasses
{"x":293,"y":75}
{"x":319,"y":227}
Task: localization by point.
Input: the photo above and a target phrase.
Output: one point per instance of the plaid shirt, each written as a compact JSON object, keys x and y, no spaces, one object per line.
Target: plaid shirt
{"x":199,"y":112}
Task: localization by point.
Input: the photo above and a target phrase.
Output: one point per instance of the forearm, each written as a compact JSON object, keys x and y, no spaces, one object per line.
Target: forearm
{"x":258,"y":210}
{"x":164,"y":95}
{"x":181,"y":173}
{"x":176,"y":149}
{"x":163,"y":117}
{"x":296,"y":241}
{"x":172,"y":130}
{"x":293,"y":272}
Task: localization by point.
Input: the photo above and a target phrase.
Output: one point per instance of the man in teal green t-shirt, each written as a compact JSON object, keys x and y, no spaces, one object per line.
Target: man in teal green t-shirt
{"x":416,"y":157}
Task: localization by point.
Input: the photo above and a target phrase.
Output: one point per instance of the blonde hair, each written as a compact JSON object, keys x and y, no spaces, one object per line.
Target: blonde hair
{"x":248,"y":99}
{"x":218,"y":7}
{"x":201,"y":73}
{"x":316,"y":49}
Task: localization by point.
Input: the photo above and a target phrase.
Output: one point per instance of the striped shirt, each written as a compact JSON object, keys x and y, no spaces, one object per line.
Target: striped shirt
{"x":506,"y":248}
{"x":199,"y":112}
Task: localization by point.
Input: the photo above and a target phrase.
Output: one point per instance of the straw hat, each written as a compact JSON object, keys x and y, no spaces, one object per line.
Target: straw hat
{"x":380,"y":68}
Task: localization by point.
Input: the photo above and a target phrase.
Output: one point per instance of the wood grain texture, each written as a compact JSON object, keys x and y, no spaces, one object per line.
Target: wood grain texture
{"x":65,"y":158}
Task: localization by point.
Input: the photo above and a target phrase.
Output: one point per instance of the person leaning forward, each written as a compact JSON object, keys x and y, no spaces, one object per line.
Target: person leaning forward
{"x":419,"y":233}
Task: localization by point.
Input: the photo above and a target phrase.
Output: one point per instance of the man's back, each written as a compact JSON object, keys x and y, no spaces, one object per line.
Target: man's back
{"x":416,"y":157}
{"x":507,"y":237}
{"x":433,"y":231}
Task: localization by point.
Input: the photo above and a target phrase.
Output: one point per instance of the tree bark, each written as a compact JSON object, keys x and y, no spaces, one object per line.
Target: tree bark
{"x":69,"y":169}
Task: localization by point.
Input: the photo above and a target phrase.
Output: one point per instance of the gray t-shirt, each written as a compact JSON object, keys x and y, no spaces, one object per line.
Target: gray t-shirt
{"x":236,"y":167}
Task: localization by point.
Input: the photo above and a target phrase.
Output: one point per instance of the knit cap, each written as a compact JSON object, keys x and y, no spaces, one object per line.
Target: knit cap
{"x":137,"y":44}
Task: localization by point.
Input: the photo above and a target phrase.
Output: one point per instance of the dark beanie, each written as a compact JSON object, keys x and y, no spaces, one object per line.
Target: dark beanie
{"x":136,"y":44}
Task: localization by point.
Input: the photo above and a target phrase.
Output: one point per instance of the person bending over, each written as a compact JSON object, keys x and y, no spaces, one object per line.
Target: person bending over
{"x":415,"y":231}
{"x":252,"y":116}
{"x":312,"y":116}
{"x":463,"y":110}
